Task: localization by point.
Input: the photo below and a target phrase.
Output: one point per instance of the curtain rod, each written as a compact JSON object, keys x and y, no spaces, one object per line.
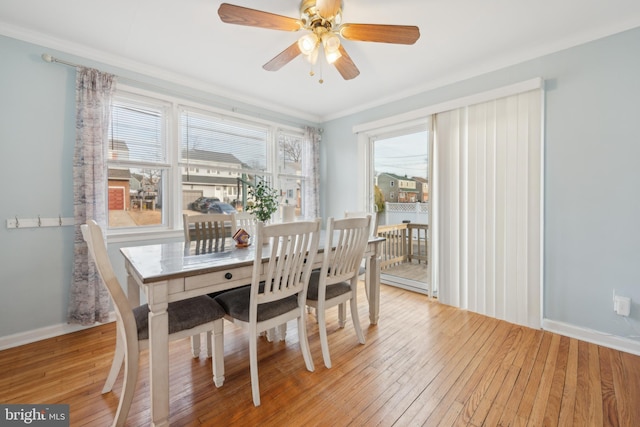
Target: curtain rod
{"x":248,"y":113}
{"x":48,"y":58}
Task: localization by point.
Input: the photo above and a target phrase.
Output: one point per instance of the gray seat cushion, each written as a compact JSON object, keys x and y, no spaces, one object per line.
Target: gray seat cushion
{"x":236,"y":304}
{"x":332,"y":290}
{"x":183,"y":315}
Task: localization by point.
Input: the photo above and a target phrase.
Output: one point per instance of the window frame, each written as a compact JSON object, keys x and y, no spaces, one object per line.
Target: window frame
{"x":172,"y":190}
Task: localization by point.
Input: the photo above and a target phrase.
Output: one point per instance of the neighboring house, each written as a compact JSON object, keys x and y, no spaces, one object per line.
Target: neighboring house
{"x":423,"y":188}
{"x":119,"y":185}
{"x":212,"y":174}
{"x":398,"y":189}
{"x":119,"y":188}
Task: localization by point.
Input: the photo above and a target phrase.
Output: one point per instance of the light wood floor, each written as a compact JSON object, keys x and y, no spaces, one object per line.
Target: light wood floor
{"x":424,"y":364}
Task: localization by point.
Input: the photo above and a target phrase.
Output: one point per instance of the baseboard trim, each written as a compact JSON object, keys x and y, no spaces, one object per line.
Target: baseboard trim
{"x":52,"y":331}
{"x":592,"y":336}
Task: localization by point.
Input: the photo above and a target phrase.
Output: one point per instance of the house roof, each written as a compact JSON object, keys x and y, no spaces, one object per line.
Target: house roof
{"x":119,"y":174}
{"x":211,"y":156}
{"x":398,"y":177}
{"x":208,"y":180}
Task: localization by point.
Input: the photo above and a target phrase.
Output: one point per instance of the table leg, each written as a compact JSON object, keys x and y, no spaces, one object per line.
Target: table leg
{"x":373,"y":279}
{"x":159,"y":353}
{"x":133,"y":291}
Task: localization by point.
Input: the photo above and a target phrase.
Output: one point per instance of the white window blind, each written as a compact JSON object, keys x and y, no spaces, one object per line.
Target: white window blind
{"x":136,"y":133}
{"x":223,"y":143}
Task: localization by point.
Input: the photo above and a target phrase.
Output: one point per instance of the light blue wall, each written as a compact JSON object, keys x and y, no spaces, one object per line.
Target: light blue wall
{"x":36,"y":147}
{"x":592,"y":237}
{"x":37,"y":136}
{"x":592,"y":201}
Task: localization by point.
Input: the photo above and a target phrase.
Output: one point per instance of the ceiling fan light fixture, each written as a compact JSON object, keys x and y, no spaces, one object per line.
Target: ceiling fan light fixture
{"x":322,"y":22}
{"x":332,"y":56}
{"x":312,"y":57}
{"x":308,"y":43}
{"x":331,"y":42}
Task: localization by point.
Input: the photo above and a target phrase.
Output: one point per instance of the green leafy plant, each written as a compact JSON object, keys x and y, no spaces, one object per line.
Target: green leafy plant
{"x":265,"y":201}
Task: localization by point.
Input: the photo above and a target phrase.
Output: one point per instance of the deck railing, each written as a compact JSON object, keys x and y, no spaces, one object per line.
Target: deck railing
{"x":405,"y":243}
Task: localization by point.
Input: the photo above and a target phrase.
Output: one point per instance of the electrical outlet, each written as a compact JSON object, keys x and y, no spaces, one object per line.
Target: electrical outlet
{"x":622,"y":305}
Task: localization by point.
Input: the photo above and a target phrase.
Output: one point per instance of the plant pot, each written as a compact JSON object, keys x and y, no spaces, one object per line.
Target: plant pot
{"x":288,"y":213}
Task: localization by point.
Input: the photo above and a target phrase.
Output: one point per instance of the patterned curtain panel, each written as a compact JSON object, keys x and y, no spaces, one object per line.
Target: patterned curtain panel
{"x":311,"y":169}
{"x":89,"y":300}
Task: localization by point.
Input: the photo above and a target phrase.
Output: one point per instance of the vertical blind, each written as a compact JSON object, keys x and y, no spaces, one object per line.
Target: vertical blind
{"x":488,"y":158}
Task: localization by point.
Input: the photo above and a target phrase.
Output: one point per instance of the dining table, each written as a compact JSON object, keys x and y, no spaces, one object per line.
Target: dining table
{"x":169,"y":272}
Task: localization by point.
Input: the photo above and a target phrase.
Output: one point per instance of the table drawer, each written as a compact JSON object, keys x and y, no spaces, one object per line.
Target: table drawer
{"x":224,"y":279}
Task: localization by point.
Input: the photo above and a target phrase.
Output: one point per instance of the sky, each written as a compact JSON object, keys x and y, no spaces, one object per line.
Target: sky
{"x":403,"y":155}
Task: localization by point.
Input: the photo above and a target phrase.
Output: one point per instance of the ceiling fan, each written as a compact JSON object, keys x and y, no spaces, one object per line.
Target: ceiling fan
{"x":322,"y":21}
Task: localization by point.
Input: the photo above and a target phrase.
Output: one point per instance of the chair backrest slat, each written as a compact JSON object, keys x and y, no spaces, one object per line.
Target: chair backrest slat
{"x":292,"y":248}
{"x":208,"y":231}
{"x":374,"y":219}
{"x":348,"y":237}
{"x":246,"y":221}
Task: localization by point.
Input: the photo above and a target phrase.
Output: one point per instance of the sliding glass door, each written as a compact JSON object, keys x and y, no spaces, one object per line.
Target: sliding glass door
{"x":399,"y":185}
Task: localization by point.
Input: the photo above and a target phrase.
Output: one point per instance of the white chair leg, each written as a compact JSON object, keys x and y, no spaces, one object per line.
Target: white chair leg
{"x":367,"y":282}
{"x":342,"y":314}
{"x":208,"y":345}
{"x":270,"y":334}
{"x":195,"y":345}
{"x":253,"y":364}
{"x":218,"y":352}
{"x":281,"y":332}
{"x":324,"y":342}
{"x":128,"y":387}
{"x":356,"y":319}
{"x":304,"y":341}
{"x":116,"y":364}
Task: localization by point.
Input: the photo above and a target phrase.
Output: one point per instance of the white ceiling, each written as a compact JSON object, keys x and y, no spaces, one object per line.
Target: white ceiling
{"x":184,"y":41}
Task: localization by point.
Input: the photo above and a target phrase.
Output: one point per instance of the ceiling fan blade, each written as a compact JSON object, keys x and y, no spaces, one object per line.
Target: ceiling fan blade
{"x":232,"y":14}
{"x":345,"y":66}
{"x":398,"y":34}
{"x":328,"y":8}
{"x":283,"y":58}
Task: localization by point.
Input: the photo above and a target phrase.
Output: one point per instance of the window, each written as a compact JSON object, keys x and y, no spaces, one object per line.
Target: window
{"x":235,"y":149}
{"x":291,"y":156}
{"x":137,"y":165}
{"x":164,"y":153}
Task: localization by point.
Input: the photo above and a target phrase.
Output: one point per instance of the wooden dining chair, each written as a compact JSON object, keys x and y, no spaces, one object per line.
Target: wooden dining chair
{"x":364,"y":265}
{"x":336,"y":282}
{"x":208,"y":232}
{"x":245,"y":220}
{"x":362,"y":214}
{"x":278,"y":288}
{"x":186,"y":318}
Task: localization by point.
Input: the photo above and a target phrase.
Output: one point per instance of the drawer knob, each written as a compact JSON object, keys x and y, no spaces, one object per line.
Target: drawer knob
{"x":228,"y":276}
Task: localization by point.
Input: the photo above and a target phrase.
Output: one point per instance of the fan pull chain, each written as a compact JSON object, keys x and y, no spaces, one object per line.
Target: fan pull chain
{"x":321,"y":80}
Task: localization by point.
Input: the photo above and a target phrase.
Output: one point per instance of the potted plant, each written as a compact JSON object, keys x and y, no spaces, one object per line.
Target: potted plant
{"x":265,"y":201}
